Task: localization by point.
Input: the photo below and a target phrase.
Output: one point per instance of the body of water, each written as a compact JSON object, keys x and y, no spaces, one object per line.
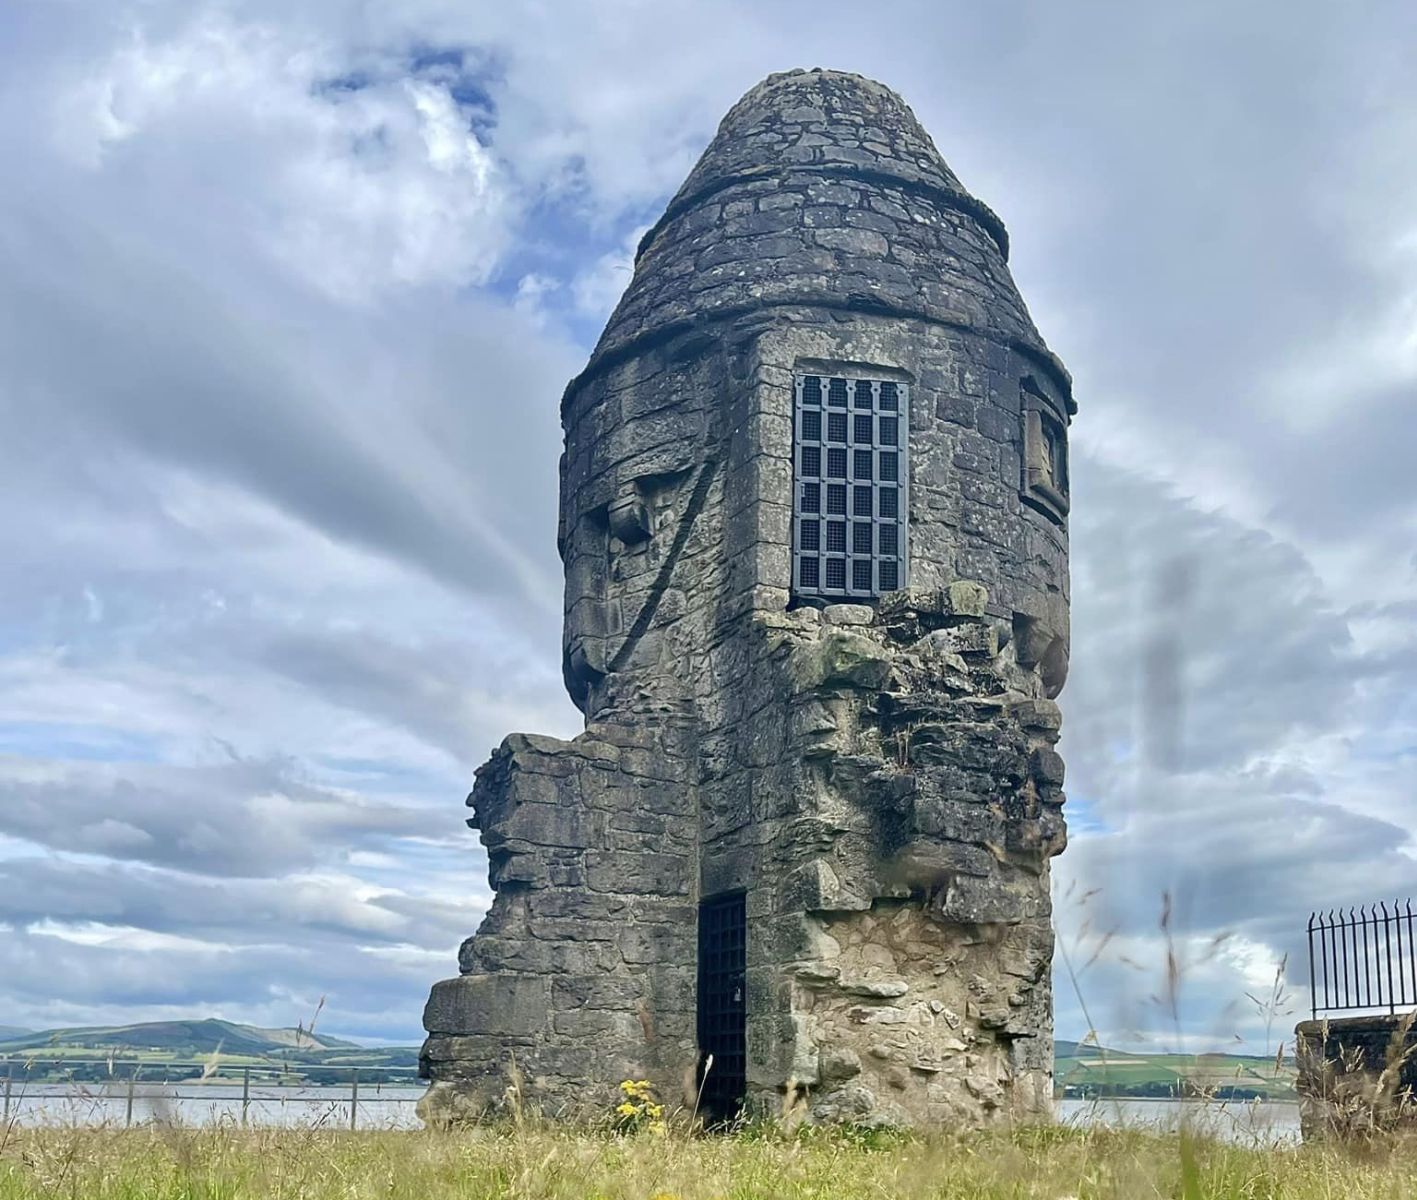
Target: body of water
{"x":1264,"y":1121}
{"x":380,"y":1106}
{"x":391,"y":1106}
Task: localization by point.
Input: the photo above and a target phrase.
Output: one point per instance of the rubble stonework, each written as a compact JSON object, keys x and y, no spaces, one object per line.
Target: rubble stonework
{"x":1356,"y":1076}
{"x":878,"y":779}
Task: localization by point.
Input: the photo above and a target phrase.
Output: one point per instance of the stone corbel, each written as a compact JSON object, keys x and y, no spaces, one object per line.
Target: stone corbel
{"x":630,"y":518}
{"x":1038,"y":646}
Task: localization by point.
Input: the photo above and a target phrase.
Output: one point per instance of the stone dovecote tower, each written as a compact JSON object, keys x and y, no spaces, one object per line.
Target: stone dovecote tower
{"x":814,"y":523}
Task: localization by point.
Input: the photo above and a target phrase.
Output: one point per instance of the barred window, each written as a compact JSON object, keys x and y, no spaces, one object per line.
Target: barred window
{"x":862,"y":473}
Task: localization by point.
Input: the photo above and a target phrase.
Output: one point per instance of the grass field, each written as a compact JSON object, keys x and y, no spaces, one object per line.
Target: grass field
{"x":157,"y":1163}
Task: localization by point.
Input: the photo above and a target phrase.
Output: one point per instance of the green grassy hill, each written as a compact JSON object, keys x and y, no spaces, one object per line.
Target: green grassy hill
{"x":173,"y":1047}
{"x":1081,"y":1071}
{"x":177,"y":1038}
{"x":1087,"y":1070}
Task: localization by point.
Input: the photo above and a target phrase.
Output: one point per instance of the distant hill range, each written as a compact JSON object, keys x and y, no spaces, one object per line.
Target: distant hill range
{"x":1084,"y":1070}
{"x":82,"y":1052}
{"x":1063,"y":1048}
{"x":175,"y":1037}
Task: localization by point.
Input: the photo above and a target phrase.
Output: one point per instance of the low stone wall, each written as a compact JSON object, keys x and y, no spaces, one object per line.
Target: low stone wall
{"x":1357,"y":1075}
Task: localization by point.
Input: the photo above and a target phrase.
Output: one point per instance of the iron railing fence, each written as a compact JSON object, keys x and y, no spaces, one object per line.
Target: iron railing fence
{"x":1364,"y":959}
{"x":129,"y":1082}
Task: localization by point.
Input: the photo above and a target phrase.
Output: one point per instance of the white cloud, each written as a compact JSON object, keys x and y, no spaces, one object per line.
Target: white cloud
{"x":124,"y":937}
{"x":597,"y":290}
{"x":289,"y":296}
{"x":357,"y":188}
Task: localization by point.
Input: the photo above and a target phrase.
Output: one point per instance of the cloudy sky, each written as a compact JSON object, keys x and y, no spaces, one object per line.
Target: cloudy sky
{"x":288,"y":294}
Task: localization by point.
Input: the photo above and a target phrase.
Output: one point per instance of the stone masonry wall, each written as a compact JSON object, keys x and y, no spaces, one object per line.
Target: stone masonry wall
{"x":879,"y":780}
{"x":1356,"y":1075}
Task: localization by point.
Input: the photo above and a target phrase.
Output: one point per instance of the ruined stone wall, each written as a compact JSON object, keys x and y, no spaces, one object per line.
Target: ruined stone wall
{"x":898,"y":890}
{"x":1356,"y":1075}
{"x":591,"y":856}
{"x":880,"y":780}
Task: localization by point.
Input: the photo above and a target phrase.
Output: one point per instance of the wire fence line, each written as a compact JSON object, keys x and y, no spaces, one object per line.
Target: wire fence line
{"x":250,"y":1089}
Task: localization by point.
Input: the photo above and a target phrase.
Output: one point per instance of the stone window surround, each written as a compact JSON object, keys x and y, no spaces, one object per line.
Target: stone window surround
{"x":1041,"y":486}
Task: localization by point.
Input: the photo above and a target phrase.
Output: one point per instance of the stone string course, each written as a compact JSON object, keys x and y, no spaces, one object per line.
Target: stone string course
{"x":880,"y":781}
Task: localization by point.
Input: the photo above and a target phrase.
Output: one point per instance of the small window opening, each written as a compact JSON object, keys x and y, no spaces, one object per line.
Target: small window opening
{"x":1045,"y":455}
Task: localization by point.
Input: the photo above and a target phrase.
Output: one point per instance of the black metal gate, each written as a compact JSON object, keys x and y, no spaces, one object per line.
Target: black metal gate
{"x":723,"y":1046}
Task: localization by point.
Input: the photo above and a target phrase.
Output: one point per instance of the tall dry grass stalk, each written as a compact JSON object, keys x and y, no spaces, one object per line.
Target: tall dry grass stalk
{"x":537,"y":1161}
{"x":1349,"y":1100}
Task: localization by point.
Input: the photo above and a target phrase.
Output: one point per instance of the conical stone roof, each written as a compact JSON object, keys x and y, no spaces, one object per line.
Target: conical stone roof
{"x":821,"y":189}
{"x":825,"y":121}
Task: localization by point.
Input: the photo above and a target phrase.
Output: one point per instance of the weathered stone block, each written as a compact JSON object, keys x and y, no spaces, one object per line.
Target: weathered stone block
{"x":653,"y":944}
{"x":964,"y":598}
{"x":914,"y":600}
{"x":630,"y":873}
{"x":848,"y":614}
{"x":839,"y":658}
{"x":1041,"y":715}
{"x":621,"y":992}
{"x":972,"y":639}
{"x":511,"y":1005}
{"x":1047,"y":766}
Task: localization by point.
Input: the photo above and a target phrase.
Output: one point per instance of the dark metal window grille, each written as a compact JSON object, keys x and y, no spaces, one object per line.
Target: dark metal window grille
{"x":723,"y":1005}
{"x":1363,"y":959}
{"x":863,"y":470}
